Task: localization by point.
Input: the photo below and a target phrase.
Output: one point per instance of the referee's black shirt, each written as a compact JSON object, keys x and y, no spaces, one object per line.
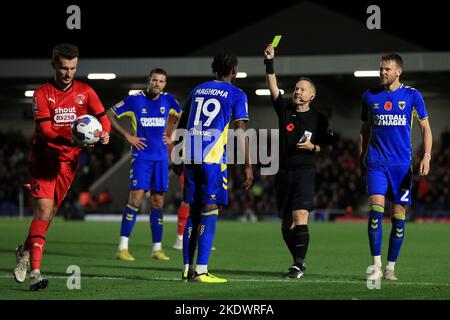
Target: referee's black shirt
{"x":292,"y":126}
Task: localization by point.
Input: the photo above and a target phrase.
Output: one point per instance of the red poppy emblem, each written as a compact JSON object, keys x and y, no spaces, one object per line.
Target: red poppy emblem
{"x":290,"y":127}
{"x":388,"y":106}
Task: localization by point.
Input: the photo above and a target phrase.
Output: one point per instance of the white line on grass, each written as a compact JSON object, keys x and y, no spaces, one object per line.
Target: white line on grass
{"x":252,"y":280}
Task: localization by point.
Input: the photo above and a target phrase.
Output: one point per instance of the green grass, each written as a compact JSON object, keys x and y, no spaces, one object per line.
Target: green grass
{"x":252,"y":256}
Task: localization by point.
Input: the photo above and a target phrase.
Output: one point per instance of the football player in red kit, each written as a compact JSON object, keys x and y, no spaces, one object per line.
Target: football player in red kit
{"x":54,"y":154}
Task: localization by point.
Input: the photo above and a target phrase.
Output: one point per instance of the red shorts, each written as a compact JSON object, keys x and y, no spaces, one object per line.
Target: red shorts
{"x":51,"y":179}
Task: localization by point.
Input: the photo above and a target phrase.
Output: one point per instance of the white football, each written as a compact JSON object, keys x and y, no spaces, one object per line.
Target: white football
{"x":86,"y":129}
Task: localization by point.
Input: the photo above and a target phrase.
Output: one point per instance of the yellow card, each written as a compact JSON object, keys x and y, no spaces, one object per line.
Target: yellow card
{"x":276,"y":41}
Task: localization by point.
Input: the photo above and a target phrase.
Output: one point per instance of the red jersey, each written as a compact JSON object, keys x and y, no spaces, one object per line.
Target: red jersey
{"x":62,"y":108}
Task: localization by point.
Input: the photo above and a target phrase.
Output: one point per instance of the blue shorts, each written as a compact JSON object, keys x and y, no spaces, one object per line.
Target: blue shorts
{"x":205,"y":183}
{"x":149,"y":175}
{"x":394,"y":182}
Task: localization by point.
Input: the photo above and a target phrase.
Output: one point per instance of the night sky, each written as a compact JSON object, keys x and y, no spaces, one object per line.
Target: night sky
{"x":111,"y":29}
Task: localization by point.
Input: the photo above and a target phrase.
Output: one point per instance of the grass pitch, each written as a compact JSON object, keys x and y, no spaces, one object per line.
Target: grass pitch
{"x":252,"y":256}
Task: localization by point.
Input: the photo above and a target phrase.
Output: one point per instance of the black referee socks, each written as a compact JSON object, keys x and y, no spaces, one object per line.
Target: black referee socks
{"x":301,"y":241}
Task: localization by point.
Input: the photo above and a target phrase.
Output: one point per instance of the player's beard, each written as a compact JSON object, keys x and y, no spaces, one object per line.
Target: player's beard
{"x":153,"y":92}
{"x":385,"y":82}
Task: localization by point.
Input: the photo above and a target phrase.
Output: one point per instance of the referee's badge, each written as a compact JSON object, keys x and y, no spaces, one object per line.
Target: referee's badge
{"x":162,"y":109}
{"x":402,"y":105}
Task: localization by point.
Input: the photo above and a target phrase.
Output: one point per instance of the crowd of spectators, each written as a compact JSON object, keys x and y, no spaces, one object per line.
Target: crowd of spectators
{"x":431,"y":194}
{"x":14,"y":154}
{"x":338,"y":182}
{"x":13,"y":170}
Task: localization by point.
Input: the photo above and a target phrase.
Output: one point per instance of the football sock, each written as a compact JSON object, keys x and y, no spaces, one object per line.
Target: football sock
{"x":206,"y":235}
{"x":375,"y":229}
{"x":201,"y":268}
{"x":186,"y":238}
{"x":128,"y":220}
{"x":301,"y":240}
{"x":390,"y":266}
{"x":156,"y":221}
{"x":288,"y":236}
{"x":188,"y":268}
{"x":190,"y":239}
{"x":396,"y":237}
{"x":123,"y":243}
{"x":157,"y":246}
{"x":36,"y":242}
{"x":377,"y":260}
{"x":183,"y":213}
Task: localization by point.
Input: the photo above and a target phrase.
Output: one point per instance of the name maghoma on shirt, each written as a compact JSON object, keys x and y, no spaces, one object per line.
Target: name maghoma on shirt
{"x":212,"y":92}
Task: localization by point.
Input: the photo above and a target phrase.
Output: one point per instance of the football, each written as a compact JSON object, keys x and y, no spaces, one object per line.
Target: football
{"x":86,"y":129}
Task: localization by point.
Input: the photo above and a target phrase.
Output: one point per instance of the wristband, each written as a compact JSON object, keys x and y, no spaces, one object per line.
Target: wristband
{"x":427,"y":155}
{"x":269,"y":66}
{"x":314,"y":149}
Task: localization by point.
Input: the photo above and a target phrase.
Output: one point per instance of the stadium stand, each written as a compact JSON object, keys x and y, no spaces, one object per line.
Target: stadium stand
{"x":339,"y":190}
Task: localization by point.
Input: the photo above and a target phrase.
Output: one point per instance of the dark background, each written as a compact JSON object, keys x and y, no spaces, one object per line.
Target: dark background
{"x":176,"y":28}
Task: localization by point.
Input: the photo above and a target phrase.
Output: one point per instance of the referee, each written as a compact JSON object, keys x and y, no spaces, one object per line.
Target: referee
{"x":303,"y":132}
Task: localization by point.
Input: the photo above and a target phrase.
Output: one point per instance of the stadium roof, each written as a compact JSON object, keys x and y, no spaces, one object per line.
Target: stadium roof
{"x":309,"y":29}
{"x":318,"y":40}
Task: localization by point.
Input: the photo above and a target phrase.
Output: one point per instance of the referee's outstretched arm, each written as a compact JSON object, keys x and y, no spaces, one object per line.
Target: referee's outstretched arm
{"x":271,"y":78}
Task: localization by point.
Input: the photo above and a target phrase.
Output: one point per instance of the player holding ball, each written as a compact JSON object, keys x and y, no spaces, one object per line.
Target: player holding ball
{"x":54,"y":153}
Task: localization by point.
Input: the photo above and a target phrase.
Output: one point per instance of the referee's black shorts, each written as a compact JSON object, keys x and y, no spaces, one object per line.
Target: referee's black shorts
{"x":295,"y":190}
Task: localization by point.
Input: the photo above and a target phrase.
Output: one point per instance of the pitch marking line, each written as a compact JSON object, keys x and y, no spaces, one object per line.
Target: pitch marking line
{"x":250,"y":280}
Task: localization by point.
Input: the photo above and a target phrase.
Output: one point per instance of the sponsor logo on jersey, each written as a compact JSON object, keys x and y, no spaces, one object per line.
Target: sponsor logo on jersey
{"x":388,"y":106}
{"x":118,"y":105}
{"x":80,"y":98}
{"x":153,"y":122}
{"x":195,"y":132}
{"x":389,"y":120}
{"x":402,"y":105}
{"x":162,"y":110}
{"x":65,"y":115}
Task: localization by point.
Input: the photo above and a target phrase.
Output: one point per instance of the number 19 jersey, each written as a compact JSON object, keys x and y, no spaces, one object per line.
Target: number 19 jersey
{"x":210,"y":107}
